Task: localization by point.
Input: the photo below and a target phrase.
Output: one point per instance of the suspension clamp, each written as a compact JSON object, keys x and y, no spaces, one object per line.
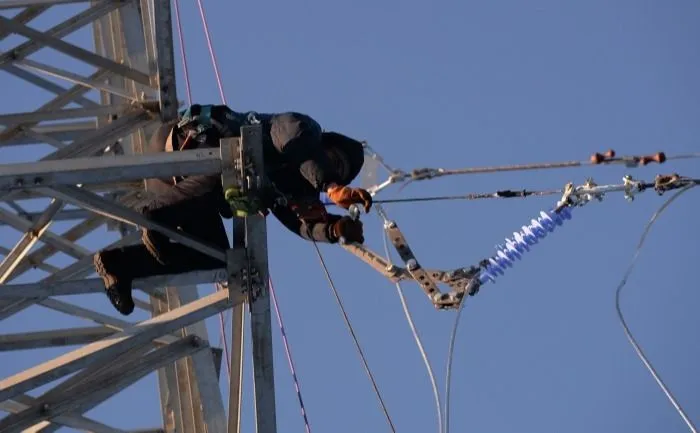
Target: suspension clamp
{"x":632,"y":187}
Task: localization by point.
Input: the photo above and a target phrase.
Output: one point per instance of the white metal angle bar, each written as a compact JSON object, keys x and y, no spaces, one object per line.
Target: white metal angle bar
{"x":62,"y":337}
{"x":167,"y":384}
{"x":260,"y":315}
{"x":66,"y":113}
{"x":45,"y":84}
{"x":72,"y":132}
{"x":64,"y":215}
{"x":68,"y":420}
{"x":104,"y":350}
{"x":95,"y":285}
{"x":43,"y":266}
{"x":61,"y":30}
{"x":28,"y":240}
{"x":74,"y":78}
{"x":189,"y":413}
{"x":163,"y":39}
{"x":209,"y":394}
{"x":74,"y":51}
{"x":13,"y":4}
{"x":91,"y":393}
{"x":41,"y":138}
{"x":73,"y":271}
{"x":237,"y":327}
{"x":80,"y":230}
{"x":94,"y":316}
{"x":60,"y":243}
{"x":69,"y":95}
{"x":109,"y":168}
{"x":24,"y":17}
{"x":209,"y":407}
{"x":97,"y":139}
{"x":97,"y":204}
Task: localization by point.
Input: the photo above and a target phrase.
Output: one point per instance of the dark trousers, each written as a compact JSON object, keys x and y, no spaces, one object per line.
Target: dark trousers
{"x":158,"y":255}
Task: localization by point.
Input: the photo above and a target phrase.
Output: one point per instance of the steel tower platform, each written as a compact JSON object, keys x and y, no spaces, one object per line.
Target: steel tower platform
{"x":71,"y":170}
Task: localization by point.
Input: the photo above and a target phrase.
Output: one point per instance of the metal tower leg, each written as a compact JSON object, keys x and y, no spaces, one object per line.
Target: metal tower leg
{"x":100,"y":99}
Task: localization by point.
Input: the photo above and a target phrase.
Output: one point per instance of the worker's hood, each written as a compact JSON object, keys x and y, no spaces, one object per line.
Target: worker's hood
{"x":346,"y":154}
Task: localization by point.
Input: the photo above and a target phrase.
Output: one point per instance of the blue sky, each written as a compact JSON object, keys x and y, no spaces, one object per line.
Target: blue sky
{"x":455,"y":84}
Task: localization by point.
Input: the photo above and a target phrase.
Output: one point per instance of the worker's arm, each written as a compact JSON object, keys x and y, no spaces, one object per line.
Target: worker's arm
{"x":297,"y":138}
{"x":317,"y":231}
{"x":329,"y":230}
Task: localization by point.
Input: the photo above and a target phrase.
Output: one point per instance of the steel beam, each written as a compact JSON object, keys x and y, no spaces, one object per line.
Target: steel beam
{"x":86,"y":395}
{"x":68,"y":420}
{"x":63,"y":337}
{"x":97,"y":204}
{"x":95,"y":285}
{"x":73,"y":50}
{"x":105,"y":169}
{"x":103,"y":350}
{"x":261,"y":322}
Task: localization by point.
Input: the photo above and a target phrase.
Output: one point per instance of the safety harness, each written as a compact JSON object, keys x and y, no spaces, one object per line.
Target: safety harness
{"x":196,"y":122}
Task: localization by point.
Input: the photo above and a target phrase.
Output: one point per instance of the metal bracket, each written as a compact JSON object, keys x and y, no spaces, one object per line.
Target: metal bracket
{"x":459,"y":280}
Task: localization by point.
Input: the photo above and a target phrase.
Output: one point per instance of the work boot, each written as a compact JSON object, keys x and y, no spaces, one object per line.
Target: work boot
{"x":110,"y":267}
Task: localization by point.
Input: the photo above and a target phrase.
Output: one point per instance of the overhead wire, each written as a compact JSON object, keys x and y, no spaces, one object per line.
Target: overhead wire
{"x":420,"y":174}
{"x":351,"y":329}
{"x":416,"y":337}
{"x":628,"y":333}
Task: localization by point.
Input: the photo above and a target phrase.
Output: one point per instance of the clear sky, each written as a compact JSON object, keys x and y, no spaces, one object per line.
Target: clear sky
{"x":455,"y":84}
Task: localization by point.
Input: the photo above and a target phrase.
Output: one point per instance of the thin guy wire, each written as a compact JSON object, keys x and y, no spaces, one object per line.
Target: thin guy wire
{"x":354,"y":337}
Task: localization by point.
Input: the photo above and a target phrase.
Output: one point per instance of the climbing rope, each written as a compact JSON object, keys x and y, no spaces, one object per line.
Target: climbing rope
{"x":628,"y":332}
{"x":354,"y":336}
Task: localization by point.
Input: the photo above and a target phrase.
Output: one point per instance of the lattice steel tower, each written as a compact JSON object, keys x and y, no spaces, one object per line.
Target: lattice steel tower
{"x":71,"y":170}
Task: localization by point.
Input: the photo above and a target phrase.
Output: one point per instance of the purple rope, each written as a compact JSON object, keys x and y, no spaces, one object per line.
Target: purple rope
{"x":289,"y":357}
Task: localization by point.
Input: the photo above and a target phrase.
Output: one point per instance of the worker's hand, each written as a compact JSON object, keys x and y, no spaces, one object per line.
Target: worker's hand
{"x":345,"y":196}
{"x":349,"y":229}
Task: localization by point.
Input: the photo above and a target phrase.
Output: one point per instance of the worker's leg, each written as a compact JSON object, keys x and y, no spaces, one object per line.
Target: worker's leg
{"x":157,"y":255}
{"x":196,"y":216}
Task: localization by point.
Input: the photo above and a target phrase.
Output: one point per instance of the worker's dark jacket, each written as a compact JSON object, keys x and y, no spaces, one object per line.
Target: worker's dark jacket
{"x":294,"y":162}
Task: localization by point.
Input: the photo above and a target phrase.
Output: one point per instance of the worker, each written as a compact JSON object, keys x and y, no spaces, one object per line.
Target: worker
{"x":301,"y":162}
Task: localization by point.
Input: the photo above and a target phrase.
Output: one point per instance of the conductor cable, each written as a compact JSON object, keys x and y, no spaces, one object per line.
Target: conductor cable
{"x":628,"y":332}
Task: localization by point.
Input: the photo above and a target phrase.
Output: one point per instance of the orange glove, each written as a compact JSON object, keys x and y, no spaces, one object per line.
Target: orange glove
{"x":345,"y":196}
{"x":349,"y":229}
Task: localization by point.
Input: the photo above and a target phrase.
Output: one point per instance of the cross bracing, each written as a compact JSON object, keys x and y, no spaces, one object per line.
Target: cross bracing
{"x":71,"y":170}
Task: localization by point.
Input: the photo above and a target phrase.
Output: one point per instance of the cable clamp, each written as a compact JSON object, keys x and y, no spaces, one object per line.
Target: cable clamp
{"x":632,"y":187}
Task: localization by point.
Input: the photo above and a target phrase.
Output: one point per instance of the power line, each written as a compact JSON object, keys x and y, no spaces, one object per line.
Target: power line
{"x":628,"y":332}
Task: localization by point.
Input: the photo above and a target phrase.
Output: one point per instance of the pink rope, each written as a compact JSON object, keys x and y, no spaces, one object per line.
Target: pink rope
{"x":288,"y":351}
{"x":182,"y":52}
{"x":222,"y":324}
{"x":211,"y":51}
{"x":287,"y":348}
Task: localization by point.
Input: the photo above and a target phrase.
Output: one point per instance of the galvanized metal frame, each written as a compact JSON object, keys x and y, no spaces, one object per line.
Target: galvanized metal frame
{"x":94,"y":127}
